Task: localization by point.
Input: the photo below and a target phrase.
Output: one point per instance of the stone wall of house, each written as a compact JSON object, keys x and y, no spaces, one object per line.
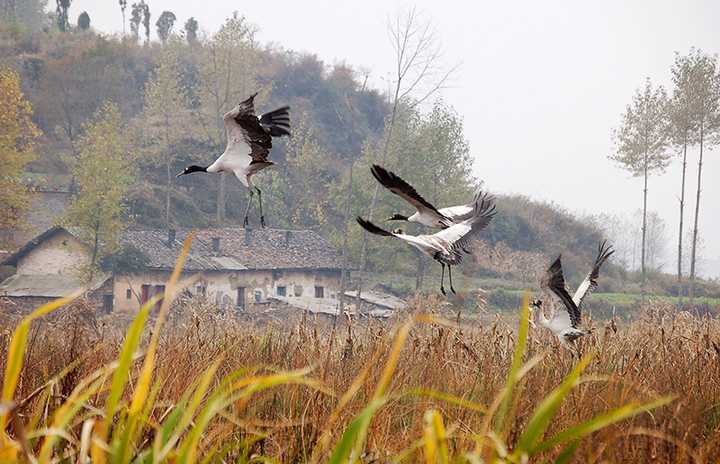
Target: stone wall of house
{"x":223,"y":286}
{"x":60,"y":254}
{"x":22,"y":306}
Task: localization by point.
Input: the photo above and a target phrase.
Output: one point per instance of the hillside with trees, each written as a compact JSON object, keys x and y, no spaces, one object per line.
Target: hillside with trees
{"x":129,"y":113}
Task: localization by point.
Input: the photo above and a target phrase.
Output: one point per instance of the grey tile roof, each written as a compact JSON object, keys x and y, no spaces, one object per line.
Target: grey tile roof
{"x":161,"y":255}
{"x":384,"y":300}
{"x":45,"y":285}
{"x":238,"y":249}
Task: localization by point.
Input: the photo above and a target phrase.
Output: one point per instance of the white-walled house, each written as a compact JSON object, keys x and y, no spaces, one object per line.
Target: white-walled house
{"x":234,"y":266}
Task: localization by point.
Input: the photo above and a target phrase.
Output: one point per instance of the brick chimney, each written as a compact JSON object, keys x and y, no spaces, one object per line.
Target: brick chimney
{"x":216,"y":245}
{"x":248,"y":236}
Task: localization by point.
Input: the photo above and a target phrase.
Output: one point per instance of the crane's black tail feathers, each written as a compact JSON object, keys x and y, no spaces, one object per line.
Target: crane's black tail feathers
{"x":372,"y":228}
{"x":278,"y":121}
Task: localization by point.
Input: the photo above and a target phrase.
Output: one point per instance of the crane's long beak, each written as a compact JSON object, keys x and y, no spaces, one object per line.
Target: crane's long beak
{"x":180,"y":173}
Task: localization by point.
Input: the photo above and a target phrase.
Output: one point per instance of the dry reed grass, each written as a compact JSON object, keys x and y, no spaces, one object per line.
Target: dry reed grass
{"x":661,"y":353}
{"x":209,"y":387}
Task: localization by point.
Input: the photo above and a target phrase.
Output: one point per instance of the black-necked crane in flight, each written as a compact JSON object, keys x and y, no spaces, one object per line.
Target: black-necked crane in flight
{"x":425,"y":214}
{"x":249,"y":140}
{"x":565,"y":325}
{"x":448,"y":245}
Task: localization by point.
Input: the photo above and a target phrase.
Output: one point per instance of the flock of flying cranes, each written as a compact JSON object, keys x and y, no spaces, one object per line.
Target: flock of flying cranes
{"x":249,"y":140}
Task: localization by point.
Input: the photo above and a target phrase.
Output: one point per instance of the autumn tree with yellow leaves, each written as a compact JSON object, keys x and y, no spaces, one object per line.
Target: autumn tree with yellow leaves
{"x":17,"y":142}
{"x":104,"y":172}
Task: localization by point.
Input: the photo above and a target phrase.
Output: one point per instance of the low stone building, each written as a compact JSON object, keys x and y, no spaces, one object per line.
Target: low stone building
{"x":234,"y":266}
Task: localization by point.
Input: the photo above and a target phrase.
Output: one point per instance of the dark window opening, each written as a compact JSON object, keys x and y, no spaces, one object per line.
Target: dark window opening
{"x":319,"y":292}
{"x":240,"y":300}
{"x":107,"y":302}
{"x":258,"y":296}
{"x":145,"y":293}
{"x":128,"y":294}
{"x":160,"y":291}
{"x":281,"y":291}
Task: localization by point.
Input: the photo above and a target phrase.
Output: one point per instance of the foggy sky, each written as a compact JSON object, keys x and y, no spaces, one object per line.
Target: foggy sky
{"x":541,"y":85}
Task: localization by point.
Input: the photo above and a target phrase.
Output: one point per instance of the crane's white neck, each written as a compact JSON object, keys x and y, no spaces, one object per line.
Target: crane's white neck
{"x":540,"y":317}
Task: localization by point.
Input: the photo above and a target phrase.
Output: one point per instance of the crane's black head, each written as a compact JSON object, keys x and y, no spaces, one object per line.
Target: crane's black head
{"x":397,"y":217}
{"x":537,"y":304}
{"x":191,"y":169}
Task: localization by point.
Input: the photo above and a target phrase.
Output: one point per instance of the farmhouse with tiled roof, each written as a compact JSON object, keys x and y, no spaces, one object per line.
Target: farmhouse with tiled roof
{"x":234,"y":266}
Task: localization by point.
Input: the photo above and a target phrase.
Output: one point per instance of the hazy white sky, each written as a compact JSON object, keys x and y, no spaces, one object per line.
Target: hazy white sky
{"x":541,"y":85}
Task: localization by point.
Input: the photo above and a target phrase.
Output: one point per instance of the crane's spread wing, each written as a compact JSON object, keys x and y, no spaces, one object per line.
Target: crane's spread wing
{"x":459,"y":235}
{"x":244,"y":132}
{"x":555,"y":282}
{"x":461,"y":213}
{"x":418,"y":242}
{"x":590,"y":283}
{"x":407,"y":192}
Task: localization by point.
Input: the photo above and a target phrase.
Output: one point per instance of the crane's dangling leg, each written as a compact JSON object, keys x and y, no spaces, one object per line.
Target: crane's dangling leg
{"x":247,"y":209}
{"x":442,"y":279}
{"x":262,"y":217}
{"x":450,"y":275}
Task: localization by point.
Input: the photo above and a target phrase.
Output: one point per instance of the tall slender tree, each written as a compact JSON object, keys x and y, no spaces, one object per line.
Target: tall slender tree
{"x":146,"y":20}
{"x":123,"y":6}
{"x":62,"y":8}
{"x":18,"y":135}
{"x":706,"y":111}
{"x":641,"y":145}
{"x":228,"y":66}
{"x":191,"y":30}
{"x":136,"y":12}
{"x":682,"y":125}
{"x":166,"y":118}
{"x":164,"y":25}
{"x":104,"y":171}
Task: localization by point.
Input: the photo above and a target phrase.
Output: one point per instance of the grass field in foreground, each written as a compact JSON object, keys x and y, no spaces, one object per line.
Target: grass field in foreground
{"x":208,"y":387}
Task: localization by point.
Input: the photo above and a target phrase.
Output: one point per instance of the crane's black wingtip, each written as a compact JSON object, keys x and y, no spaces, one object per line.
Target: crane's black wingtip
{"x":381,"y":174}
{"x":557,"y":264}
{"x":372,"y":228}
